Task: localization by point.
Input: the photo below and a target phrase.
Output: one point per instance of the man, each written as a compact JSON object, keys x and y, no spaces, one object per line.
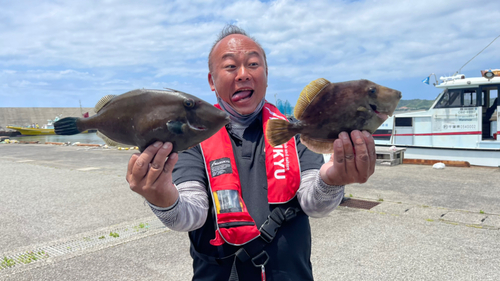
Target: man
{"x":226,"y":188}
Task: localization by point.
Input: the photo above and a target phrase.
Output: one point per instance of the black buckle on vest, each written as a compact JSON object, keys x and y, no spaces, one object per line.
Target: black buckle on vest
{"x":291,"y":213}
{"x":274,"y":221}
{"x":270,"y":226}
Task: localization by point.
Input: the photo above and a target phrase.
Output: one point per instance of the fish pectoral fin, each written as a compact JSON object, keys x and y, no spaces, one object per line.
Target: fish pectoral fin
{"x":308,"y":94}
{"x":102,"y":102}
{"x":362,"y":109}
{"x":176,"y":127}
{"x":279,"y":131}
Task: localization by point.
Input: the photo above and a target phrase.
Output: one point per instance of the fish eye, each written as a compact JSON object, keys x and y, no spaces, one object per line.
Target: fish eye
{"x":189,"y":103}
{"x":372,"y":90}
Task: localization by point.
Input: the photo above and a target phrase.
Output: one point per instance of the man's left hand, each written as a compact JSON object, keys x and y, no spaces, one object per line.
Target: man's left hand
{"x":350,"y":164}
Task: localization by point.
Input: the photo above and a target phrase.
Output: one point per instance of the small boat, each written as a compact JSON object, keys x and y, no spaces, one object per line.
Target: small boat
{"x":461,"y":125}
{"x":47,"y":129}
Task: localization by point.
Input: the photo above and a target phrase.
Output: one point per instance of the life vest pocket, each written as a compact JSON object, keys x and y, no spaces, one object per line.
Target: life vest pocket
{"x":235,"y":224}
{"x":227,"y":201}
{"x":235,"y":229}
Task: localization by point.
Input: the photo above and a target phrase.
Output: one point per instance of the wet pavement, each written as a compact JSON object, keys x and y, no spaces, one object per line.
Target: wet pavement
{"x":67,"y":213}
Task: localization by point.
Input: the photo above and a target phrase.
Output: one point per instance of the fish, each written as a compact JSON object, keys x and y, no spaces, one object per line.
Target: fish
{"x":325,"y":109}
{"x":141,"y":117}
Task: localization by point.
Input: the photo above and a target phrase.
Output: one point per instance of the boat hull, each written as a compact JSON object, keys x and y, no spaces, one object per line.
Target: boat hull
{"x":476,"y":157}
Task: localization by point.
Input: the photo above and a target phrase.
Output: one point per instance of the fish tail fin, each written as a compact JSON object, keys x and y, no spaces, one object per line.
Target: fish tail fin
{"x":67,"y":126}
{"x":279,"y":131}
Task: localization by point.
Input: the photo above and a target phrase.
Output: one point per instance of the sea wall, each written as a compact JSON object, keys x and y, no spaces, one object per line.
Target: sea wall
{"x":25,"y":116}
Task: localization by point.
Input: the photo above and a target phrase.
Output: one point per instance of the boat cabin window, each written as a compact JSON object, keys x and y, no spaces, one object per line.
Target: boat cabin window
{"x":489,"y":95}
{"x":404,"y":121}
{"x":458,"y":98}
{"x":470,"y":97}
{"x":450,"y":98}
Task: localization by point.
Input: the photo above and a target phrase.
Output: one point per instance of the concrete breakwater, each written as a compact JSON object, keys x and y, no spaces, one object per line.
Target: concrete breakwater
{"x":25,"y":116}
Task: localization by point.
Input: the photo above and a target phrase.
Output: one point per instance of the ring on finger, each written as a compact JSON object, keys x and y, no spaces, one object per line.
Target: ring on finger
{"x":349,"y":157}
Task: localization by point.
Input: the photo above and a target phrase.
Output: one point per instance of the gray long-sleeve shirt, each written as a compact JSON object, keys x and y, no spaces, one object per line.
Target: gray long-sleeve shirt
{"x":316,"y":198}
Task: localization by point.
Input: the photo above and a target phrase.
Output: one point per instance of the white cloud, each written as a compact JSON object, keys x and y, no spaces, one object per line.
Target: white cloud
{"x":116,"y":81}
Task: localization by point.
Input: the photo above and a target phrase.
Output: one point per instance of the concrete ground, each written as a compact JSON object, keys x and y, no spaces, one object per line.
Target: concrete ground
{"x":66,"y":213}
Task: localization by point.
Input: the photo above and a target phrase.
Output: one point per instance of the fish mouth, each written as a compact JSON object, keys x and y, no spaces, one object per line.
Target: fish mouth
{"x":242,"y":94}
{"x":380,"y":113}
{"x":196,"y":127}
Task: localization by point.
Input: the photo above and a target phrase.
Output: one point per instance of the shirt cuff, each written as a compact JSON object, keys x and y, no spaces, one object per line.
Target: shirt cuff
{"x":326,"y":189}
{"x":163,"y":208}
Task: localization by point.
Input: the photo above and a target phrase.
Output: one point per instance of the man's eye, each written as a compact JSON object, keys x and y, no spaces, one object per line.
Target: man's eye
{"x":254,"y":64}
{"x":230,"y":66}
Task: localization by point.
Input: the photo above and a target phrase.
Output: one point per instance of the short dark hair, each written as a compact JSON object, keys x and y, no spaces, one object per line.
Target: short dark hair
{"x":231,"y":29}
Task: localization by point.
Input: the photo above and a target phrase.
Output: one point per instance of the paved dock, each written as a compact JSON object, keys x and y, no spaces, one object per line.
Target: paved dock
{"x":66,"y":213}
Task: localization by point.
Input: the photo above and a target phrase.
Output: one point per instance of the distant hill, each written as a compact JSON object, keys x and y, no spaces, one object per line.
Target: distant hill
{"x":403,"y":105}
{"x":415,"y":104}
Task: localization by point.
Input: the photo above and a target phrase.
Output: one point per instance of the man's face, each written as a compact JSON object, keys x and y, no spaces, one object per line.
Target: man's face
{"x":239,"y":72}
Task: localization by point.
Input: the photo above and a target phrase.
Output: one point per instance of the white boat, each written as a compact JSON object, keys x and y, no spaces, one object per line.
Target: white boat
{"x":461,"y":125}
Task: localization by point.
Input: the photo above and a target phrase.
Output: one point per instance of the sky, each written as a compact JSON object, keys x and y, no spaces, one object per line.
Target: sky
{"x":63,"y":53}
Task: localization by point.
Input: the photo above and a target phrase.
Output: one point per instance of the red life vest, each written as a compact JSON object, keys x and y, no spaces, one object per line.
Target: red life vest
{"x":234,"y":224}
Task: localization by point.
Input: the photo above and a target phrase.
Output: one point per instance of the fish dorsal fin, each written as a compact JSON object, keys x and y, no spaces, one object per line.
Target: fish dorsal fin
{"x":100,"y":104}
{"x":307,"y":95}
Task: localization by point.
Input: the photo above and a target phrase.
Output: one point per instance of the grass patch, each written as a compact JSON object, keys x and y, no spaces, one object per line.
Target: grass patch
{"x":6,"y":262}
{"x":141,"y":226}
{"x":25,"y":258}
{"x":474,"y":225}
{"x":30,"y":257}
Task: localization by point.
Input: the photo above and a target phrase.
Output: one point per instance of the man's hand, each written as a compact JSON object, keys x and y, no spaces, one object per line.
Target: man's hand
{"x":350,"y":164}
{"x":149,"y":175}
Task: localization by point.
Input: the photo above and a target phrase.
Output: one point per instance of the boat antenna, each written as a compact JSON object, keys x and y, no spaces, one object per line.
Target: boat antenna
{"x":476,"y":55}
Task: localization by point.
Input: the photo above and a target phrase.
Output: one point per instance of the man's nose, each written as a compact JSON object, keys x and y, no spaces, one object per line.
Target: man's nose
{"x":243,"y":74}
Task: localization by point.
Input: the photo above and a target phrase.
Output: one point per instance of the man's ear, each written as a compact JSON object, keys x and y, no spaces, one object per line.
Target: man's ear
{"x":211,"y":81}
{"x":267,"y":76}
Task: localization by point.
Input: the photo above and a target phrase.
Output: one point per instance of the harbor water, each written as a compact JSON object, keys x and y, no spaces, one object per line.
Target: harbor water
{"x":81,"y":138}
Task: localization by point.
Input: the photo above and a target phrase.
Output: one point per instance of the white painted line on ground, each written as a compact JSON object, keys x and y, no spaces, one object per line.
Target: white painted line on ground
{"x":88,"y":169}
{"x":23,"y":161}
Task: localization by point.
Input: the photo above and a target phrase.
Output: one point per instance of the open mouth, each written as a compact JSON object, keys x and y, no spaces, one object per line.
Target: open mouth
{"x":241,"y":95}
{"x":381,"y":115}
{"x":196,"y":127}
